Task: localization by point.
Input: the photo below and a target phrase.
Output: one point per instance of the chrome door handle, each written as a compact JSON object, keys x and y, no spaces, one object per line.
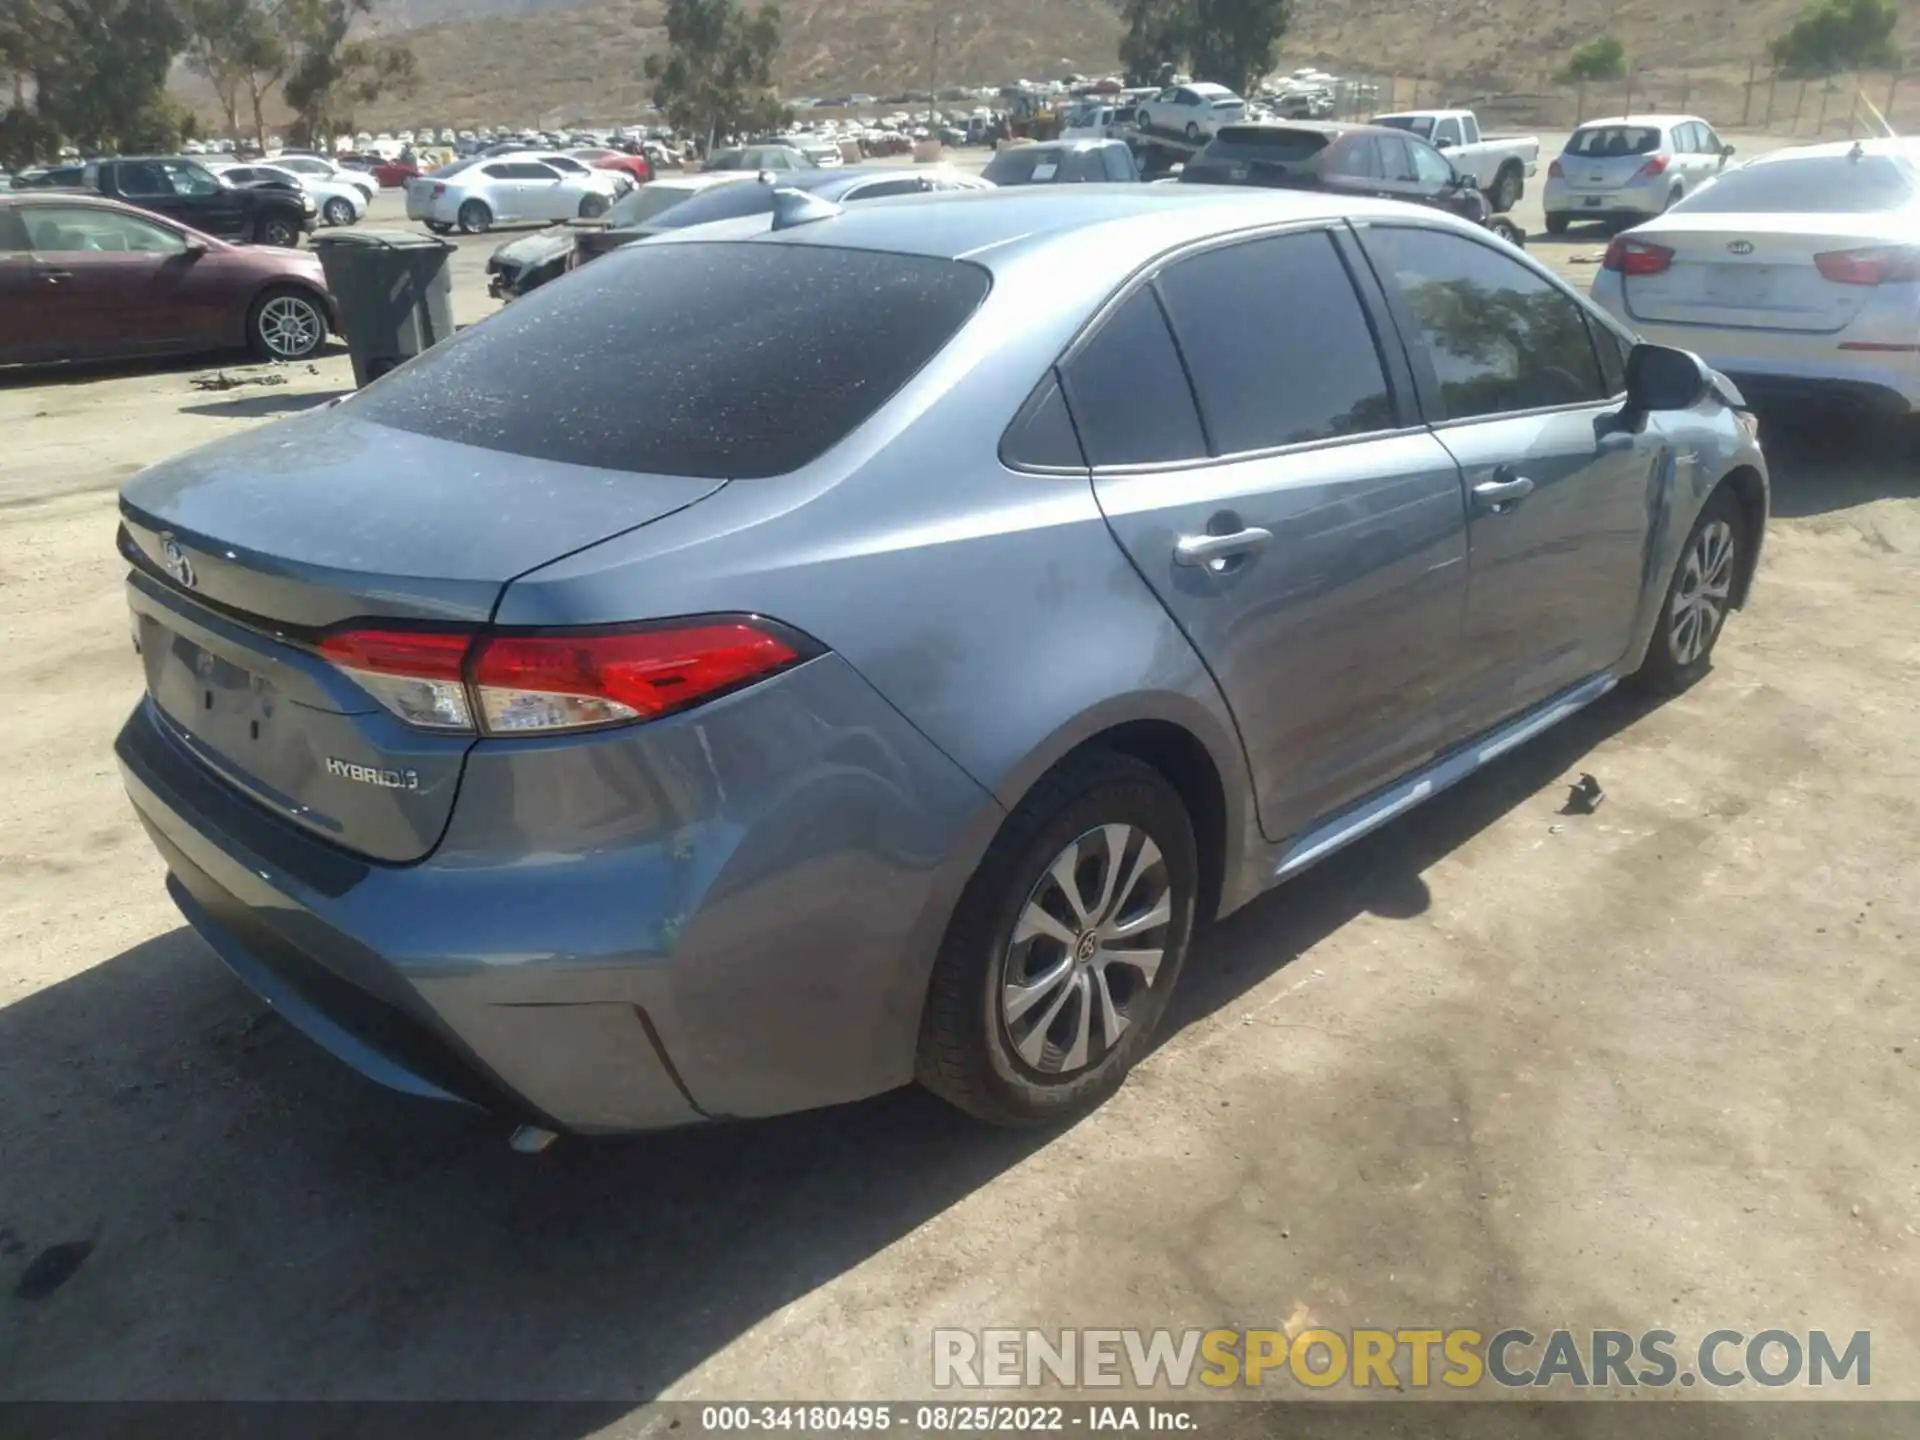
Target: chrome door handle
{"x":1498,"y":495}
{"x":1206,"y":549}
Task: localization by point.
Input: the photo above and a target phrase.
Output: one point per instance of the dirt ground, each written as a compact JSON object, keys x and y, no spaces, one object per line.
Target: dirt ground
{"x":1653,"y":1066}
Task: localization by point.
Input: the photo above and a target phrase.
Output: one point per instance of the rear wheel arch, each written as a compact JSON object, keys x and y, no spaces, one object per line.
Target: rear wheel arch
{"x":1751,"y":493}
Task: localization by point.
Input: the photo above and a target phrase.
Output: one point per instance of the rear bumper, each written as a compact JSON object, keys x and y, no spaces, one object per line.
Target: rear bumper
{"x":630,"y":931}
{"x":1783,"y":365}
{"x":1630,"y":203}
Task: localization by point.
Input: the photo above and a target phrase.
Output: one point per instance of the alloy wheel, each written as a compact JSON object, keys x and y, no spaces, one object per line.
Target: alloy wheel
{"x":1085,"y":949}
{"x":289,"y":327}
{"x":1700,"y":594}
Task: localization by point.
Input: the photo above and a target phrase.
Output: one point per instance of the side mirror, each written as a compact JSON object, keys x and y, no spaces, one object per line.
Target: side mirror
{"x":1659,"y":378}
{"x":1443,"y":144}
{"x":1726,"y":152}
{"x":193,"y":249}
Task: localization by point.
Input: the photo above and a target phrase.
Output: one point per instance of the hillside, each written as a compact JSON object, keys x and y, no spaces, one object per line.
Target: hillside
{"x":489,"y":61}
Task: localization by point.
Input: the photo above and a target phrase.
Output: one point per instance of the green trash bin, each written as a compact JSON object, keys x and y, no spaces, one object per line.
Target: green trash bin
{"x":393,"y":292}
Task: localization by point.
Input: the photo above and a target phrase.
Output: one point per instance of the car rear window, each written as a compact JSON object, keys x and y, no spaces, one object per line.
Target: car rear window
{"x":1812,"y":185}
{"x":1605,"y":142}
{"x":722,"y":202}
{"x":1421,"y":125}
{"x":1268,"y":142}
{"x":725,"y":361}
{"x":1043,"y":165}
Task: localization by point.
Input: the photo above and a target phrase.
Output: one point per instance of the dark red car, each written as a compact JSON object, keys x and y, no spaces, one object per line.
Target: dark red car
{"x":85,"y":278}
{"x":637,"y":166}
{"x":394,"y":173}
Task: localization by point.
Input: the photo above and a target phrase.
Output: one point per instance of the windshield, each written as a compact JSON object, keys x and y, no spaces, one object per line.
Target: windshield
{"x":639,"y":206}
{"x":1815,"y":185}
{"x":726,"y":361}
{"x":1043,"y":165}
{"x":1607,"y":142}
{"x":1421,"y":125}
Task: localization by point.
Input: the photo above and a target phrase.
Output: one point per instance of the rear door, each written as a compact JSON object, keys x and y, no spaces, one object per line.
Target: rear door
{"x":1298,"y":523}
{"x":1559,"y":503}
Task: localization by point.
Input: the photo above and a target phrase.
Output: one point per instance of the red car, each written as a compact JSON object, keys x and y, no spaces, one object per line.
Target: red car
{"x":86,"y":278}
{"x":637,"y":166}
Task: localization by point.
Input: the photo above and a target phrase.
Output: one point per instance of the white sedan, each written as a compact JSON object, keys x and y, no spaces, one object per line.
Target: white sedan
{"x":1194,"y":111}
{"x":520,"y":186}
{"x":1797,"y":275}
{"x":335,"y":201}
{"x":320,"y":168}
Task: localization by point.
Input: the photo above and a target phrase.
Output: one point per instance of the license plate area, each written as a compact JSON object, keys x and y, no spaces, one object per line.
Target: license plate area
{"x":1594,"y":202}
{"x":225,"y":706}
{"x":1739,"y":285}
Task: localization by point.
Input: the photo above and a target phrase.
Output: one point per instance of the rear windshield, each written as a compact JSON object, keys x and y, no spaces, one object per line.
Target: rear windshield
{"x":1043,"y":165}
{"x":1267,"y":142}
{"x":725,"y":361}
{"x":640,"y":205}
{"x":1815,"y":185}
{"x":723,"y":202}
{"x":1421,"y":125}
{"x":1605,"y":142}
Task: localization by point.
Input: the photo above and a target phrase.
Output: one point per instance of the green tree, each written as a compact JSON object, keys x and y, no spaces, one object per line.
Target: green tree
{"x":1835,"y":35}
{"x":1602,"y":58}
{"x":717,"y":72}
{"x":1231,"y":42}
{"x":329,"y":68}
{"x":236,"y":46}
{"x":92,"y":72}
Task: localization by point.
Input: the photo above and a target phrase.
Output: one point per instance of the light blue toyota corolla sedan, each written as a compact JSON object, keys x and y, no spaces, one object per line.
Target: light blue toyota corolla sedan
{"x":759,"y":671}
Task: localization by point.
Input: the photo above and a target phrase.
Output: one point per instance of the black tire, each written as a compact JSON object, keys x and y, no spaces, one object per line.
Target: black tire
{"x":278,"y":315}
{"x":1674,"y":197}
{"x":1193,"y":132}
{"x":1508,"y":187}
{"x":281,"y":231}
{"x":439,"y":227}
{"x":592,"y":207}
{"x":1673,"y":664}
{"x":475,"y":218}
{"x":968,"y":1052}
{"x":1557,"y":224}
{"x":338,"y":211}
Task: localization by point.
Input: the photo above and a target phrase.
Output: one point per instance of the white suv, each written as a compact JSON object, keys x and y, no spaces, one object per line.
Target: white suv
{"x":1628,"y":169}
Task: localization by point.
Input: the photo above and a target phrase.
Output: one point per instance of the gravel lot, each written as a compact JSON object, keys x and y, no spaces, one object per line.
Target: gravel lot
{"x":1657,"y":1065}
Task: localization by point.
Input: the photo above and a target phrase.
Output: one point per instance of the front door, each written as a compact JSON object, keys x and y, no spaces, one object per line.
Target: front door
{"x":1559,"y":498}
{"x":1299,"y":525}
{"x":112,"y":283}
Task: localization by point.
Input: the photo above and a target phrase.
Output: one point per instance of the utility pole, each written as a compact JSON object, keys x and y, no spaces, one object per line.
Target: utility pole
{"x":933,"y":77}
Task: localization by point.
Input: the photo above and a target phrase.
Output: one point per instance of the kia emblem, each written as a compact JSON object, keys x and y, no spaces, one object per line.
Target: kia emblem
{"x":1740,"y":247}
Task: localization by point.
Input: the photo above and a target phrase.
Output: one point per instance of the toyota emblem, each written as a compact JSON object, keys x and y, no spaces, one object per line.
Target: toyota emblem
{"x":1740,"y":247}
{"x":174,"y":560}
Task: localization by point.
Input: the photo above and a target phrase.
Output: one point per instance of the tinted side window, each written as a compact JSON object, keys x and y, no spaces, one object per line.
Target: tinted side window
{"x":1501,"y":338}
{"x":1395,"y":162}
{"x":1358,"y":157}
{"x":1129,"y":392}
{"x":1280,"y":350}
{"x":499,"y":172}
{"x":726,"y":361}
{"x":1448,"y":131}
{"x":880,"y":189}
{"x":1429,"y":164}
{"x":1042,"y":434}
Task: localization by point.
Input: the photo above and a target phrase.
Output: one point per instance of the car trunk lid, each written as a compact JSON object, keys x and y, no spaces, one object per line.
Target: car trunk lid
{"x":247,"y":552}
{"x":1598,"y":174}
{"x":1750,"y":272}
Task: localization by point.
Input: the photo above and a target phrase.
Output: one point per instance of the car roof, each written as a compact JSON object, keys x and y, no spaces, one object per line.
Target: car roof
{"x":1205,"y":87}
{"x":1898,"y":147}
{"x":1014,"y":226}
{"x":1084,"y":142}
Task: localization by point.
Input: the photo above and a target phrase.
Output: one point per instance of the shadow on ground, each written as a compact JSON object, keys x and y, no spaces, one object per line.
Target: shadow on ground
{"x":1823,"y":460}
{"x":264,"y":1224}
{"x":264,"y":406}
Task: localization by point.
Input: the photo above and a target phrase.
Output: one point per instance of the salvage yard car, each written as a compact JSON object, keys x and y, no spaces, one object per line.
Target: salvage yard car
{"x":181,"y":188}
{"x":1622,"y":171}
{"x":85,"y":278}
{"x":475,"y":195}
{"x":1500,"y":165}
{"x":1797,"y":274}
{"x":1194,"y":111}
{"x":791,"y":665}
{"x":1063,"y":162}
{"x":339,"y":203}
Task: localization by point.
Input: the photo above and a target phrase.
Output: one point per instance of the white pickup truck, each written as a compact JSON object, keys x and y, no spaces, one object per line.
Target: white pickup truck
{"x":1499,"y":164}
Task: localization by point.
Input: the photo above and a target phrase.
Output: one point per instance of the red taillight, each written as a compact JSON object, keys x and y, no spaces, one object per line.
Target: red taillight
{"x":1627,"y":256}
{"x":1875,"y":265}
{"x":532,"y":683}
{"x":1556,"y":171}
{"x":1656,"y":166}
{"x":416,"y":674}
{"x":558,"y":680}
{"x":438,"y":190}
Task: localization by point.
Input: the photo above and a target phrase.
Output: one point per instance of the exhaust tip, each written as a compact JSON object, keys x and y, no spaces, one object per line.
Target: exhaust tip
{"x":530,"y":1140}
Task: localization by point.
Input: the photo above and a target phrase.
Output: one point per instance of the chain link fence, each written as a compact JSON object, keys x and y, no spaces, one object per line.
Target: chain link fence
{"x":1754,"y":98}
